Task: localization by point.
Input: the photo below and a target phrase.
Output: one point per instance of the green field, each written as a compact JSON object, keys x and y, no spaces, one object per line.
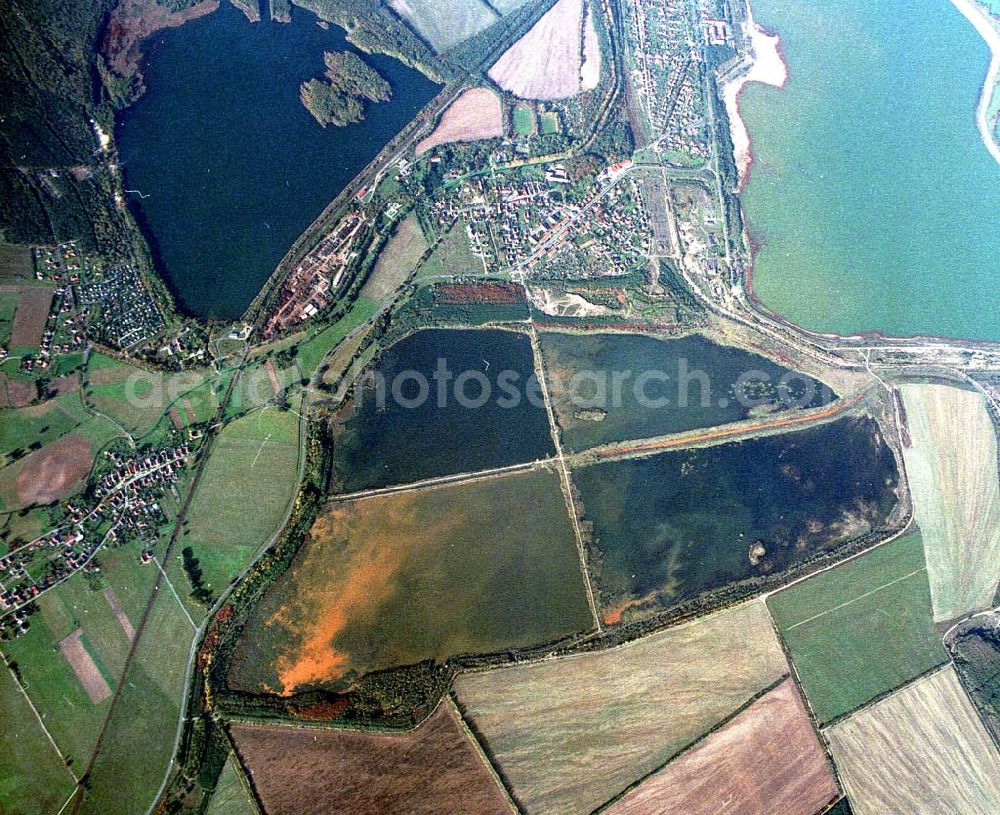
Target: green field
{"x":862,"y":628}
{"x":137,"y":398}
{"x":313,"y":351}
{"x":139,"y":741}
{"x":44,"y":423}
{"x":549,"y":122}
{"x":33,"y":780}
{"x":231,"y":796}
{"x":524,"y":121}
{"x":245,"y":489}
{"x":398,"y":579}
{"x":452,"y":256}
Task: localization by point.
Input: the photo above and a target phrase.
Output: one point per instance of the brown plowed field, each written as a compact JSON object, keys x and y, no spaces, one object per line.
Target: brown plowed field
{"x":432,"y":770}
{"x":476,"y":114}
{"x":767,"y":759}
{"x":53,"y":472}
{"x":31,"y":315}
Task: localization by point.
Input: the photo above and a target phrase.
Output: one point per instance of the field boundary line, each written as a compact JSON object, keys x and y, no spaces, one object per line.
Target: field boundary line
{"x":173,"y":591}
{"x":439,"y":481}
{"x":45,"y":730}
{"x":691,"y":745}
{"x":567,"y":485}
{"x":449,"y":700}
{"x":854,"y":600}
{"x":926,"y":676}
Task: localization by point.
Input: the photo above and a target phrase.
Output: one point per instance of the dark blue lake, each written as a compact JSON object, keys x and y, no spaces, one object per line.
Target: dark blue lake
{"x":234,"y":166}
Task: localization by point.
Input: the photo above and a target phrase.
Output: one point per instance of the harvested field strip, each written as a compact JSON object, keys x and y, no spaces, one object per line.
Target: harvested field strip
{"x":569,"y":734}
{"x":861,"y":629}
{"x":54,"y":472}
{"x":546,"y":62}
{"x":952,"y":465}
{"x":122,"y":617}
{"x":476,"y":114}
{"x":921,"y":750}
{"x":431,"y":770}
{"x":83,"y":665}
{"x":764,"y":760}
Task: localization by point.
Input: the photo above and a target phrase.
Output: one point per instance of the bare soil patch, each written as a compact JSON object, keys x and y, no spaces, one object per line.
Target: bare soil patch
{"x":546,"y":62}
{"x":766,"y":759}
{"x":432,"y":770}
{"x":53,"y":472}
{"x":119,"y":612}
{"x":16,"y":394}
{"x":476,"y":114}
{"x":31,"y":315}
{"x":84,"y":667}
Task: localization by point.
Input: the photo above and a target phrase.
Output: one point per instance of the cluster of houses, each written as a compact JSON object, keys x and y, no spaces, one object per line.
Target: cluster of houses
{"x":686,"y":131}
{"x":62,"y":263}
{"x":127,"y":509}
{"x":128,"y":314}
{"x":664,"y":47}
{"x":313,"y":284}
{"x":539,"y":223}
{"x":65,"y":330}
{"x":612,"y":239}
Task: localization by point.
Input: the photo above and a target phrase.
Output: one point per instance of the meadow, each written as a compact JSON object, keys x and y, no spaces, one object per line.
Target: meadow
{"x":952,"y":468}
{"x":231,"y":795}
{"x":862,"y":628}
{"x":766,"y":759}
{"x":245,"y":489}
{"x":313,"y":351}
{"x":431,"y":770}
{"x":672,"y":526}
{"x":702,"y":386}
{"x":33,"y":780}
{"x":452,"y":256}
{"x":394,"y":580}
{"x":920,"y":750}
{"x":408,"y":439}
{"x":570,"y":734}
{"x":139,"y":741}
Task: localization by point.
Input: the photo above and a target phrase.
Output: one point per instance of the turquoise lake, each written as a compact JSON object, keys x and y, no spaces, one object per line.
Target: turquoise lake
{"x":873,"y":199}
{"x":232,"y":165}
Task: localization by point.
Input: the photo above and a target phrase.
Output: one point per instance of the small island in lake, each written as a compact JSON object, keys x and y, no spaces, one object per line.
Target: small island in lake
{"x":340,"y":99}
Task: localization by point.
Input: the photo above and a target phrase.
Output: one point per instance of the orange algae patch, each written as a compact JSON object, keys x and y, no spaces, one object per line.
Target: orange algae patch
{"x":366,"y":581}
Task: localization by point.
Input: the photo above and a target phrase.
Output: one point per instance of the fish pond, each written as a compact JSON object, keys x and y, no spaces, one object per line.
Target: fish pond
{"x":441,"y":402}
{"x":666,"y":386}
{"x":427,"y":574}
{"x":672,"y":526}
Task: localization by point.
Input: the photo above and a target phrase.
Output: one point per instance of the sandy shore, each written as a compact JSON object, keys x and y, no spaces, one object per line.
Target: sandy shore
{"x":768,"y":67}
{"x":981,"y":20}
